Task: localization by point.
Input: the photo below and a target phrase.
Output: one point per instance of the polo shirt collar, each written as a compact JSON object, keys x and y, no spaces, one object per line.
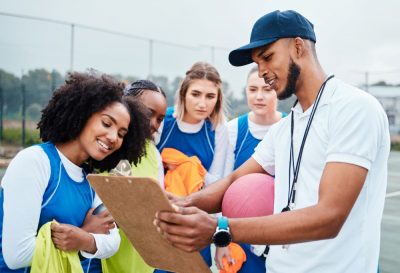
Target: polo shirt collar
{"x":330,"y":88}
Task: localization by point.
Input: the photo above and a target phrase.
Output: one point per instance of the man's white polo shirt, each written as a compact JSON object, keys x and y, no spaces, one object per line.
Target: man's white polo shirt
{"x":349,"y":126}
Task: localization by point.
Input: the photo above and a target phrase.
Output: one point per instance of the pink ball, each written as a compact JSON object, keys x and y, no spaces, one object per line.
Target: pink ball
{"x":251,"y":195}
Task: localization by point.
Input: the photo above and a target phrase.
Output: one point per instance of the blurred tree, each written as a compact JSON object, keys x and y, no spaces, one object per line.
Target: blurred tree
{"x":381,"y":83}
{"x":125,"y":79}
{"x":39,"y":85}
{"x":172,"y":89}
{"x":130,"y":79}
{"x":33,"y":112}
{"x":164,"y":83}
{"x":11,"y":93}
{"x":56,"y":80}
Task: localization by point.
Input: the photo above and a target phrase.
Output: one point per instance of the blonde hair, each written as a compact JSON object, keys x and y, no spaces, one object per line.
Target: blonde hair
{"x":199,"y":71}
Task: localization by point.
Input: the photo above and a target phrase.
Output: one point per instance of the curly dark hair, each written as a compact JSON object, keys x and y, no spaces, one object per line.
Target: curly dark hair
{"x":82,"y":95}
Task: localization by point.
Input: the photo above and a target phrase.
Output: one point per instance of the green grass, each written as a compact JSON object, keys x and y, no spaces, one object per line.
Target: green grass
{"x":13,"y":136}
{"x":395,"y":146}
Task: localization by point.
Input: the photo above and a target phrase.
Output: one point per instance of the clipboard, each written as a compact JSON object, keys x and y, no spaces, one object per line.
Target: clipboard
{"x":133,"y":202}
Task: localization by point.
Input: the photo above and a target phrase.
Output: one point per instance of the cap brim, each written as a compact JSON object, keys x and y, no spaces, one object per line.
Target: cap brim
{"x":242,"y":55}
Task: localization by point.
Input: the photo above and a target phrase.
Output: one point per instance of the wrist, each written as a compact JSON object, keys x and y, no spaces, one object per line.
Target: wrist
{"x":190,"y":200}
{"x":90,"y":244}
{"x":214,"y":227}
{"x":222,"y":236}
{"x":85,"y":227}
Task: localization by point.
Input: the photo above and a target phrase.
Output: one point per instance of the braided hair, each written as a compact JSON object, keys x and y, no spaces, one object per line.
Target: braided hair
{"x":137,"y":88}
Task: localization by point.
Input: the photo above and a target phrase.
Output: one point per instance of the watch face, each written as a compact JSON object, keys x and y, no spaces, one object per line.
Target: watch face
{"x":222,"y":238}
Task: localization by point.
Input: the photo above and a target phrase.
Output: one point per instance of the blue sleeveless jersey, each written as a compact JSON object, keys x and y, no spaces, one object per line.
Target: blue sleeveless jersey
{"x":64,"y":200}
{"x":200,"y":144}
{"x":245,"y":142}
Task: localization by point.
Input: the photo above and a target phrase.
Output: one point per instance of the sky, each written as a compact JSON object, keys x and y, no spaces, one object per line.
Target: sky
{"x":353,"y":36}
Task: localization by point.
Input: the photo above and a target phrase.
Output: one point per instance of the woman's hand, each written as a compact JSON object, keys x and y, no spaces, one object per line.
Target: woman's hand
{"x":98,"y":224}
{"x":71,"y":238}
{"x":220,"y":253}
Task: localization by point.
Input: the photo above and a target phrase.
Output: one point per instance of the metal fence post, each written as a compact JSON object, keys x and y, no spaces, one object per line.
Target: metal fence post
{"x":1,"y":109}
{"x":23,"y":91}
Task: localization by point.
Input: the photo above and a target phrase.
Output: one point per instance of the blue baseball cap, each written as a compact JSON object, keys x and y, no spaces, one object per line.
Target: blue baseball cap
{"x":270,"y":28}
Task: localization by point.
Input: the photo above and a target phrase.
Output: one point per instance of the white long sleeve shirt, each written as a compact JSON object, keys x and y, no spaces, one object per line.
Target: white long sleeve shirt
{"x":24,"y":184}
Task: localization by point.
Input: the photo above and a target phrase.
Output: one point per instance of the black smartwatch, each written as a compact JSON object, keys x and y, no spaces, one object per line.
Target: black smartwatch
{"x":222,"y":236}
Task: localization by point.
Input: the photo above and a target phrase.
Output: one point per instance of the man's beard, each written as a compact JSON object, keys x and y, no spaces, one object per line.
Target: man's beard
{"x":293,"y":75}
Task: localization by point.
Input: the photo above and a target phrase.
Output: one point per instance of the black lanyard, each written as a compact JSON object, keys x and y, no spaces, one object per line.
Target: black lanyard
{"x":292,"y":187}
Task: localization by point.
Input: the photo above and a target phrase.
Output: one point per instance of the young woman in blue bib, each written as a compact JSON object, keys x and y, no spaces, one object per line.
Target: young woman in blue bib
{"x":196,"y":125}
{"x":86,"y":125}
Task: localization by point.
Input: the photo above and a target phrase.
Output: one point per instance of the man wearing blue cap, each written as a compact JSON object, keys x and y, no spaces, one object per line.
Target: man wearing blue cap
{"x":329,"y":159}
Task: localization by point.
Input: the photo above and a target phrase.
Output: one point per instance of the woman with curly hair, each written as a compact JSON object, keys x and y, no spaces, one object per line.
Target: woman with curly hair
{"x":86,"y":125}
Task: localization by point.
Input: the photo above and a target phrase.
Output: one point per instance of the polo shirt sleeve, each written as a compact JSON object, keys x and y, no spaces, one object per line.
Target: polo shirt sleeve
{"x":264,"y":153}
{"x":355,"y":128}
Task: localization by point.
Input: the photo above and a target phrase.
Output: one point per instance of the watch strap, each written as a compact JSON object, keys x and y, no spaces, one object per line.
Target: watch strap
{"x":222,"y":222}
